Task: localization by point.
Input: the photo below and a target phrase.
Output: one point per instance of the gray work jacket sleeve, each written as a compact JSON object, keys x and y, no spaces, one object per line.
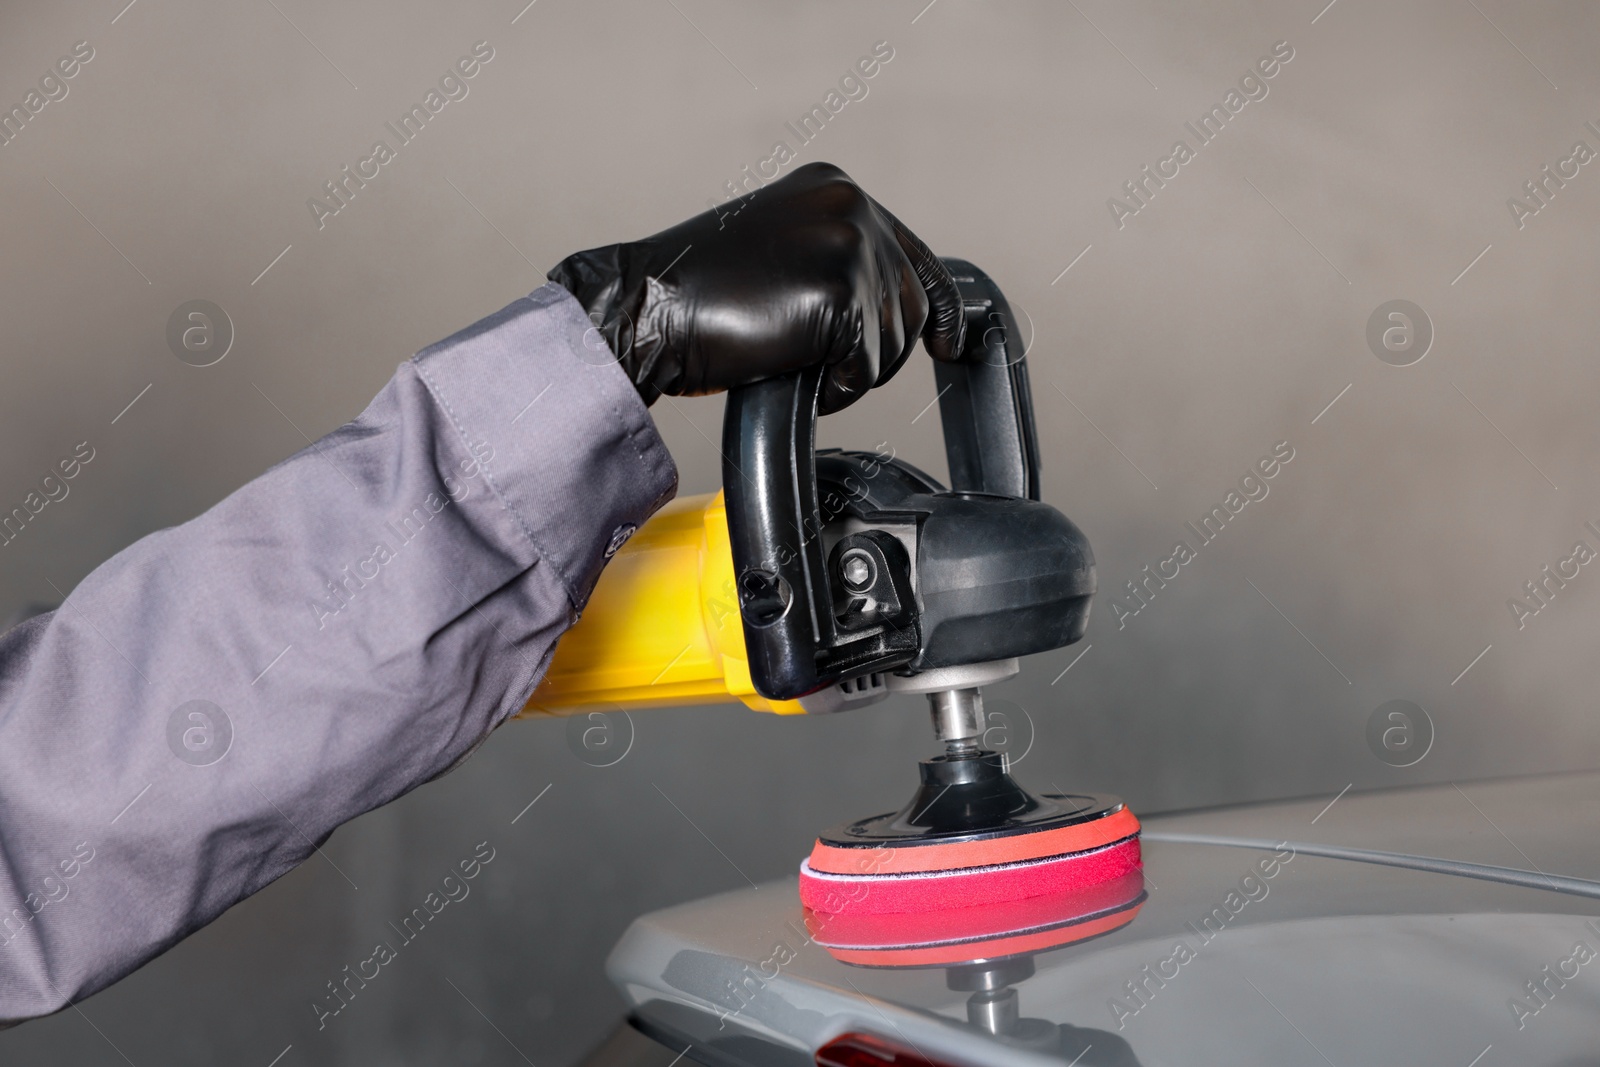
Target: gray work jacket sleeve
{"x":209,"y":704}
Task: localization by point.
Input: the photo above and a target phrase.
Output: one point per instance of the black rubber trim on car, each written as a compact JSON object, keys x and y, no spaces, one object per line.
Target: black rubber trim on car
{"x":1555,"y":883}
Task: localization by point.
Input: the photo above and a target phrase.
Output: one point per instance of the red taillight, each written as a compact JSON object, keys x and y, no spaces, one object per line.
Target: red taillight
{"x":868,"y":1050}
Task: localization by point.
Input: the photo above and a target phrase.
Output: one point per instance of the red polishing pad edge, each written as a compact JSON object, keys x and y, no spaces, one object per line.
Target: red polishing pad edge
{"x":1014,"y":944}
{"x":973,"y":886}
{"x":850,"y":930}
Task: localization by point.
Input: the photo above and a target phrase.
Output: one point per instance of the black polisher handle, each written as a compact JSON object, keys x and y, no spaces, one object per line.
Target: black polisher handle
{"x":985,"y":402}
{"x":769,"y":479}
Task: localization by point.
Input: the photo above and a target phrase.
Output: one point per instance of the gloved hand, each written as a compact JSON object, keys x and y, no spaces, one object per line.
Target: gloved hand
{"x":809,"y":269}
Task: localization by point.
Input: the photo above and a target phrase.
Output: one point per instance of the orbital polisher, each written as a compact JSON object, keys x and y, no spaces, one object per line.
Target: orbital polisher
{"x":820,"y":581}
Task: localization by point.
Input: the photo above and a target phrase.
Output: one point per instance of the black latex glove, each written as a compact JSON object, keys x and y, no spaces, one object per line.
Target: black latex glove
{"x":807,"y":270}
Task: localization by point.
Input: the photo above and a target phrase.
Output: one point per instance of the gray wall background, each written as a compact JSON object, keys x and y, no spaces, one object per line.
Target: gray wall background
{"x":1176,"y":351}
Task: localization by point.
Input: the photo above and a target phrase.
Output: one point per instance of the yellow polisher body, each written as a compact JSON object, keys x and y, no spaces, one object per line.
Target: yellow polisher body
{"x":662,"y":627}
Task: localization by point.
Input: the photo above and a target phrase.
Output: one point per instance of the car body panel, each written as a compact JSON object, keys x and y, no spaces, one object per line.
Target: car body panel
{"x":1322,"y":960}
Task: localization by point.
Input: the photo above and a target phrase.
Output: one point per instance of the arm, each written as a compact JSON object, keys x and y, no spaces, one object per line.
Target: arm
{"x":356,"y":621}
{"x":208,"y":706}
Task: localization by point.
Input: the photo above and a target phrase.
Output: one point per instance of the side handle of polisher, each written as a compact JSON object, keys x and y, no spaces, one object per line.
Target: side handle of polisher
{"x":985,"y":401}
{"x":799,"y":637}
{"x":769,"y":480}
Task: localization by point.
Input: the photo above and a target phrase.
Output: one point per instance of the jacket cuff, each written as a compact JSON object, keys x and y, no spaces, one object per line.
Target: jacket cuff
{"x":535,"y":380}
